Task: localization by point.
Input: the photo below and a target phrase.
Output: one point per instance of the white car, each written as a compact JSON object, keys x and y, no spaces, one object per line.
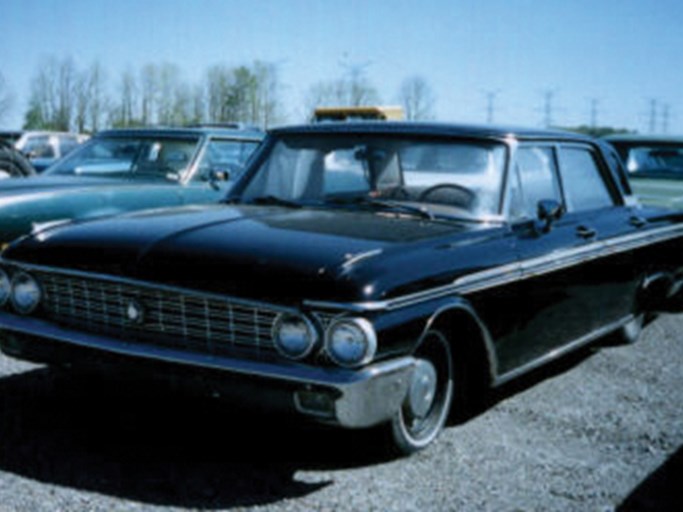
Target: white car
{"x":43,"y":148}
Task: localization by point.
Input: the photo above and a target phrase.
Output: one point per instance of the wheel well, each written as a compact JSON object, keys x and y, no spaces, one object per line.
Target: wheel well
{"x":469,"y":341}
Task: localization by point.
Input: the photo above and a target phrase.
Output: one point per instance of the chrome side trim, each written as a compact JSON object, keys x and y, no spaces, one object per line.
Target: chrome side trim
{"x":514,"y":272}
{"x":561,"y":351}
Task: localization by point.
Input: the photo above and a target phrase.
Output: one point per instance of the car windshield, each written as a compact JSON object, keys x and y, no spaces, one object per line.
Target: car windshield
{"x":442,"y":177}
{"x":655,"y":158}
{"x":130,"y":157}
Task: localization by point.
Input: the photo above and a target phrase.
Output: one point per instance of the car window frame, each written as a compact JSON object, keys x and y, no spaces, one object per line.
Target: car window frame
{"x":513,"y":172}
{"x":192,"y":173}
{"x":603,"y":169}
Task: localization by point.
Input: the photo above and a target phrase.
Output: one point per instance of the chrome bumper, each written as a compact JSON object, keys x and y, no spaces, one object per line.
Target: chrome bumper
{"x":349,"y":398}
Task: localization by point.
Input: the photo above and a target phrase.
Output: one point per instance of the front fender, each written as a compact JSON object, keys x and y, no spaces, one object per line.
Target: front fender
{"x":400,"y":331}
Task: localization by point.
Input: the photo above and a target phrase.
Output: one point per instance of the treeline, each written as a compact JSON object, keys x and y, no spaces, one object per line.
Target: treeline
{"x":65,"y":97}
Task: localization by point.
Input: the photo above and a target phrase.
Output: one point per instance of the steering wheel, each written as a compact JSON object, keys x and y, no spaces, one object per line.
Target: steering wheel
{"x":458,"y":195}
{"x":397,"y":192}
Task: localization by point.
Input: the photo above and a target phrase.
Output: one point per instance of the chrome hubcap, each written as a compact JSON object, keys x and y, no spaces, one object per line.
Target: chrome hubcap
{"x":422,"y":389}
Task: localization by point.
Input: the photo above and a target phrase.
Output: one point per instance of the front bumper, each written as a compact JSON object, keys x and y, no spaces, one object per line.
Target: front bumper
{"x":349,"y":398}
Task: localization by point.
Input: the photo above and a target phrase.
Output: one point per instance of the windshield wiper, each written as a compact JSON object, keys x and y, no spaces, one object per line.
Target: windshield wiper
{"x":385,"y":204}
{"x":276,"y":201}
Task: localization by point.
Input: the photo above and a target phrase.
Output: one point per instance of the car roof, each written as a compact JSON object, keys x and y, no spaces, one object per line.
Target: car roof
{"x":248,"y":133}
{"x":433,"y":129}
{"x":636,"y":138}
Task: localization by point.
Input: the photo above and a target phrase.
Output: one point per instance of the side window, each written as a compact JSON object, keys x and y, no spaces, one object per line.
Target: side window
{"x":225,"y":155}
{"x":584,"y":185}
{"x":39,"y":147}
{"x":533,"y":178}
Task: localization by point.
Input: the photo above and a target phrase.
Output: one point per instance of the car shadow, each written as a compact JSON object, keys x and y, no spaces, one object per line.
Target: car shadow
{"x":661,"y":491}
{"x":161,"y":448}
{"x":492,"y":397}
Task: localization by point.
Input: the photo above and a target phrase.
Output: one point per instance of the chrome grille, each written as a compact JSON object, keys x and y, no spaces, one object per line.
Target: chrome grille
{"x":171,"y":318}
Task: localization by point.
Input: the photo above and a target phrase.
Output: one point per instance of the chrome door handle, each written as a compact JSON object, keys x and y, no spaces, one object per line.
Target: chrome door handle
{"x":586,"y":232}
{"x":637,"y":221}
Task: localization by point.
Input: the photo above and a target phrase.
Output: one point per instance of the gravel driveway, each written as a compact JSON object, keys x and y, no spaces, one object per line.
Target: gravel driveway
{"x":602,"y":431}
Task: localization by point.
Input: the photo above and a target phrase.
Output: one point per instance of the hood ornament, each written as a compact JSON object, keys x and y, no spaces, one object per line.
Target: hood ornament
{"x":135,"y":313}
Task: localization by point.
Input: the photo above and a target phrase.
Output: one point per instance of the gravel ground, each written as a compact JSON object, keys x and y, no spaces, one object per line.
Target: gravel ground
{"x":602,"y":431}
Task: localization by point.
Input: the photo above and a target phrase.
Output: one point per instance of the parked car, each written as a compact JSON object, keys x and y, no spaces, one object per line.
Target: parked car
{"x":12,"y":163}
{"x":123,"y":170}
{"x":43,"y":148}
{"x":10,"y":136}
{"x":359,"y":274}
{"x":655,"y":167}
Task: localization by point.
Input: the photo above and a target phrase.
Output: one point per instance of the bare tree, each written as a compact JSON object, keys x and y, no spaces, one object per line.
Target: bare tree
{"x":149,"y":92}
{"x":358,"y":88}
{"x":218,"y":80}
{"x":247,"y":94}
{"x":198,"y":104}
{"x":123,"y":110}
{"x":327,"y":93}
{"x":417,"y":98}
{"x":52,"y":101}
{"x":99,"y":99}
{"x":66,"y":88}
{"x":353,"y":89}
{"x":166,"y":82}
{"x":6,"y":98}
{"x":266,"y":105}
{"x":91,"y":99}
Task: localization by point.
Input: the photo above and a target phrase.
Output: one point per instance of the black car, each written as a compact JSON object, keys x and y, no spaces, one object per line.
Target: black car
{"x":359,"y":274}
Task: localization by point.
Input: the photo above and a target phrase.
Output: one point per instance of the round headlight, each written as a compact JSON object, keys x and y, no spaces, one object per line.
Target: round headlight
{"x":294,"y":336}
{"x":351,"y":342}
{"x":26,"y":293}
{"x":5,"y":287}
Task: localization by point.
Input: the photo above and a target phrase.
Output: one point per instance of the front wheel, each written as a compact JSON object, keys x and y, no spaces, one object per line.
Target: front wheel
{"x":427,"y":404}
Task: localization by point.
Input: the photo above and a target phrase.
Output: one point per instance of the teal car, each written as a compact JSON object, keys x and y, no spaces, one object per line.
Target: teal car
{"x":124,"y":170}
{"x":655,"y":167}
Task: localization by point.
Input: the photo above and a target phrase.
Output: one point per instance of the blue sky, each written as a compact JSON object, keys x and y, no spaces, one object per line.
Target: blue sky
{"x":623,"y":53}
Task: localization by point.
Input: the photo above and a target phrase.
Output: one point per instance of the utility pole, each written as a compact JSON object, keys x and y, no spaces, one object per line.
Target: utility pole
{"x":665,"y":118}
{"x":653,"y":115}
{"x":490,"y":106}
{"x":594,"y":113}
{"x":548,"y":97}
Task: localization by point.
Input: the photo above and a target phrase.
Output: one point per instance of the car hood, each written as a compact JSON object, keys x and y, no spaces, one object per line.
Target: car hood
{"x":36,"y":184}
{"x":268,"y":253}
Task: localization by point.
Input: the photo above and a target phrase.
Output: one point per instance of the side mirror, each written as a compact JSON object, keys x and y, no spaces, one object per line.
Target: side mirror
{"x":219,"y":175}
{"x":549,"y":211}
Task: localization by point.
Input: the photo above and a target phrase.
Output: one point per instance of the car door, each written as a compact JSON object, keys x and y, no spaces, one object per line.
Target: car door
{"x":592,"y":195}
{"x":559,"y":300}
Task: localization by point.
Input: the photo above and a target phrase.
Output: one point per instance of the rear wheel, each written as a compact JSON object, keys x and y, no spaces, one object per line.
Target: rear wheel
{"x":14,"y":164}
{"x":426,"y":407}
